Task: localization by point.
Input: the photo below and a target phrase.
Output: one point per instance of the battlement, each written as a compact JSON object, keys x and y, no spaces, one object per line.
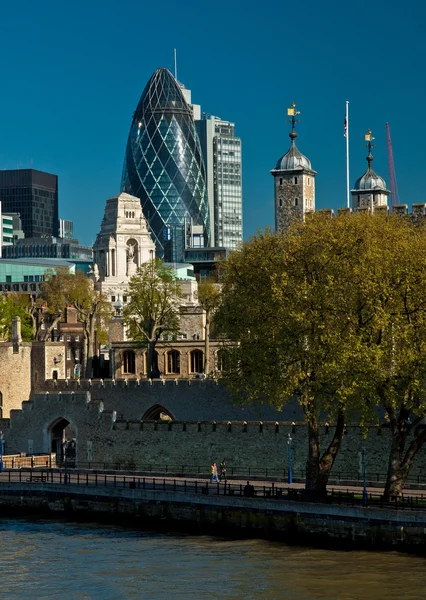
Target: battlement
{"x":418,"y":210}
{"x":122,"y":384}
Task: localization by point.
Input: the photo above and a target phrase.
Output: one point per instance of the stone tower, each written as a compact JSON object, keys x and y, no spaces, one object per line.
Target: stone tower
{"x":294,"y":182}
{"x":123,"y":244}
{"x":370,"y":190}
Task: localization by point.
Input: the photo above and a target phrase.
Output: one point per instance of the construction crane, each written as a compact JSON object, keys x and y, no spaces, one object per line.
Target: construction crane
{"x":392,"y":174}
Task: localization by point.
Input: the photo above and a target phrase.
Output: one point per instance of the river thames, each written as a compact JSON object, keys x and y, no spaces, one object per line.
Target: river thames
{"x":67,"y":560}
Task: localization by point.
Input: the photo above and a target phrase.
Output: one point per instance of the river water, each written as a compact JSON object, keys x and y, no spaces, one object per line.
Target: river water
{"x":63,"y":560}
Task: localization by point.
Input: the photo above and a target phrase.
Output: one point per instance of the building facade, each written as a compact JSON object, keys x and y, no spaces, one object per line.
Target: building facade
{"x":48,"y":247}
{"x":122,"y":245}
{"x":222,"y":157}
{"x":164,"y":168}
{"x":66,"y":229}
{"x":34,"y":195}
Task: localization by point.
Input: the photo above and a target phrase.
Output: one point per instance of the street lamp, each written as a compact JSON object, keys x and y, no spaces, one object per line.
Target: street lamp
{"x":290,"y":469}
{"x":1,"y":452}
{"x":364,"y":477}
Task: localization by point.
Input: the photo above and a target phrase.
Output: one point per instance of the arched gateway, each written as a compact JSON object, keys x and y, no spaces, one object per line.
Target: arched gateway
{"x":62,"y":437}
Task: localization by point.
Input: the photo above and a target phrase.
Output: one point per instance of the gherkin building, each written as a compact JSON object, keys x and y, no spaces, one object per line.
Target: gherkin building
{"x":163,"y":166}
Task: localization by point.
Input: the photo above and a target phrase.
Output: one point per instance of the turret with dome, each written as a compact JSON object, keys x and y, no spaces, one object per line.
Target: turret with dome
{"x":370,"y":189}
{"x":294,"y":182}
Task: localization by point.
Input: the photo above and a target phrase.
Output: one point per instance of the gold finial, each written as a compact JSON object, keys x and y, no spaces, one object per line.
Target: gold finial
{"x":368,"y":136}
{"x":292,"y":112}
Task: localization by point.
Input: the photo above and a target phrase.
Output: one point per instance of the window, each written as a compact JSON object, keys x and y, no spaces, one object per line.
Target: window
{"x":124,"y":298}
{"x":77,"y":338}
{"x":68,"y":353}
{"x":61,"y":338}
{"x":68,"y":373}
{"x":129,"y":366}
{"x":222,"y":360}
{"x":173,"y":362}
{"x":295,"y":180}
{"x":68,"y":338}
{"x":196,"y":361}
{"x":309,"y":181}
{"x":112,"y":298}
{"x":281,"y":202}
{"x":296,"y":202}
{"x":77,"y":354}
{"x":281,"y":181}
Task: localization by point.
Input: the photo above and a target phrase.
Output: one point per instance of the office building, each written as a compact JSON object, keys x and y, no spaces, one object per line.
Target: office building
{"x":164,"y":168}
{"x":65,"y":229}
{"x":34,"y":195}
{"x":222,"y":157}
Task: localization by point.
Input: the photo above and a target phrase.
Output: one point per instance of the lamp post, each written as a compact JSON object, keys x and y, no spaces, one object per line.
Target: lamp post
{"x":364,"y":477}
{"x":1,"y":452}
{"x":289,"y":466}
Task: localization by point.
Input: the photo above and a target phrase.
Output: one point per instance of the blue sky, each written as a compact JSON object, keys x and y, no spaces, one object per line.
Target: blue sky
{"x":72,"y":74}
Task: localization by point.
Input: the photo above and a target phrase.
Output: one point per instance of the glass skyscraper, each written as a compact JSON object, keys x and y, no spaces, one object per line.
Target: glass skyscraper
{"x":222,"y":157}
{"x":163,"y":166}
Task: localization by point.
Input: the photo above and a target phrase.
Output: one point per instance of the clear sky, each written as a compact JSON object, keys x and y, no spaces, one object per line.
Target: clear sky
{"x":72,"y":73}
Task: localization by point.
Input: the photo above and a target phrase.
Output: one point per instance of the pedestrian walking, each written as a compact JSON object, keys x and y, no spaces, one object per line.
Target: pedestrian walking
{"x":214,"y":476}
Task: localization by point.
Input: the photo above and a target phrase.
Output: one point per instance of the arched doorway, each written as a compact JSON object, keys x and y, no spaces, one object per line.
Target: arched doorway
{"x":157,"y":413}
{"x":63,"y":441}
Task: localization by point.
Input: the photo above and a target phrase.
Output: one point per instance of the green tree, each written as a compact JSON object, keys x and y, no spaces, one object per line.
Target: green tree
{"x":209,"y":298}
{"x":153,"y":308}
{"x":94,"y":312}
{"x":15,"y":305}
{"x":54,"y":298}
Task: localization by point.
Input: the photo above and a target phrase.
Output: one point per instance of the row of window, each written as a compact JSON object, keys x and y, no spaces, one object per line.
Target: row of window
{"x":196,"y":361}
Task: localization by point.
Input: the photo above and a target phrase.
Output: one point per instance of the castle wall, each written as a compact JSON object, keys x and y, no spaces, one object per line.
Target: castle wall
{"x":249,"y":447}
{"x":184,"y":399}
{"x":15,"y":375}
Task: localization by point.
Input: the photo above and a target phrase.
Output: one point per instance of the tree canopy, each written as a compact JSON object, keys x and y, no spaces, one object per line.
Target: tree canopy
{"x":153,"y":307}
{"x":320,"y":312}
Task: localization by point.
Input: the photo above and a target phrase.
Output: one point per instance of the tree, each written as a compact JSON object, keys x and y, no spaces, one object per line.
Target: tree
{"x":394,"y":337}
{"x":15,"y":305}
{"x":209,"y":298}
{"x":54,"y":298}
{"x":287,"y":303}
{"x":153,"y":308}
{"x":94,"y":312}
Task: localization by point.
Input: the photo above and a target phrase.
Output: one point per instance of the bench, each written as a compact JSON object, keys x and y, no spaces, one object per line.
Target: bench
{"x":37,"y":478}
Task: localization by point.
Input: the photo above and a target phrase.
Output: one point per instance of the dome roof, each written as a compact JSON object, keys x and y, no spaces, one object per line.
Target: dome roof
{"x":294,"y":159}
{"x":370,"y":180}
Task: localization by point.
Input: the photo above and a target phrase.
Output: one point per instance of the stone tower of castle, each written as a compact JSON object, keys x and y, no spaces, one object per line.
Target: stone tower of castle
{"x":370,"y":190}
{"x":294,"y":182}
{"x":122,"y":245}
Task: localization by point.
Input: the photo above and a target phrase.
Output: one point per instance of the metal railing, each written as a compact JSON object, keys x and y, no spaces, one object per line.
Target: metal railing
{"x":194,"y":486}
{"x":243,"y":472}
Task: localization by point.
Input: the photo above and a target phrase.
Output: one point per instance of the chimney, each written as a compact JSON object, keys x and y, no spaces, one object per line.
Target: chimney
{"x":16,"y":333}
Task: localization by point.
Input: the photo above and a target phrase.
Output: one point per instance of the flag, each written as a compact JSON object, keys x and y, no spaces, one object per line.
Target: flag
{"x":345,"y":128}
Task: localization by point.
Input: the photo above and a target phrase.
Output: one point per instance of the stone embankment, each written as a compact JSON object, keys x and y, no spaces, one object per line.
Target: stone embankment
{"x":206,"y":509}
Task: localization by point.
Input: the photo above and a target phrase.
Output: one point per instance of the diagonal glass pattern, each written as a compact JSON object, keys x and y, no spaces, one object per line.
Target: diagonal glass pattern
{"x":163,"y":166}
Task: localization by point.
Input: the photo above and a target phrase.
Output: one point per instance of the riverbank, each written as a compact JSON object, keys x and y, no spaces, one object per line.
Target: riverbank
{"x":294,"y":521}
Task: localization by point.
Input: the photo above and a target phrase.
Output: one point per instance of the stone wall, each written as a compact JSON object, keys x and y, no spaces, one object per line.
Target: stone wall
{"x":15,"y":375}
{"x":183,"y":399}
{"x":253,"y":446}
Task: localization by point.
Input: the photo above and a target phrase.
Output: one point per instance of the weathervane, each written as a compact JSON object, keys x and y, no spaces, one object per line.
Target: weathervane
{"x":369,"y":138}
{"x":292,"y":112}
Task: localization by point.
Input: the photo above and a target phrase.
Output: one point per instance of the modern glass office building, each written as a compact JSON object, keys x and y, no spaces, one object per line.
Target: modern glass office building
{"x":34,"y":195}
{"x":222,"y":157}
{"x":163,"y":166}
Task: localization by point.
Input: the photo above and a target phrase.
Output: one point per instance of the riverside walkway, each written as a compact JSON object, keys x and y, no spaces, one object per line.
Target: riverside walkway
{"x":339,"y":494}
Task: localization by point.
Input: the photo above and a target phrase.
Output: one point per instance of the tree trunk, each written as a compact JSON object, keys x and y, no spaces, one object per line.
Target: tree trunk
{"x":399,"y":463}
{"x":207,"y":344}
{"x":318,"y":468}
{"x":312,"y":463}
{"x":46,"y":336}
{"x":90,"y":344}
{"x":150,"y":358}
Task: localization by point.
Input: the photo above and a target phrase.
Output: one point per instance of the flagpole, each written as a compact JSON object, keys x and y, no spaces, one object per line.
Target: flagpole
{"x":348,"y":202}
